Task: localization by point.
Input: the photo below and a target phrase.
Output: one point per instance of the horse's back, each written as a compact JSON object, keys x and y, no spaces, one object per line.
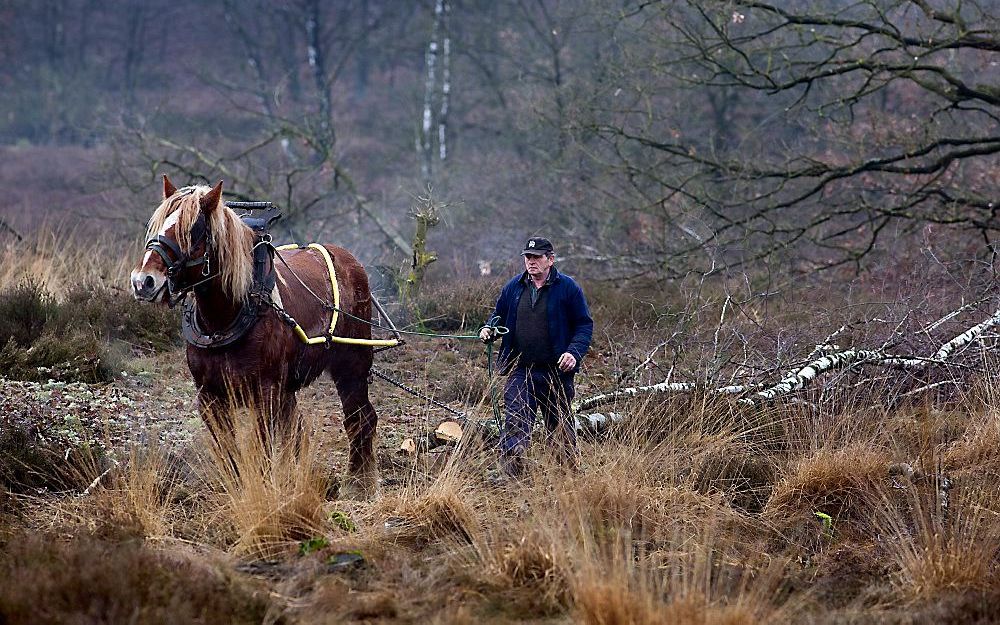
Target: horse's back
{"x":306,"y":267}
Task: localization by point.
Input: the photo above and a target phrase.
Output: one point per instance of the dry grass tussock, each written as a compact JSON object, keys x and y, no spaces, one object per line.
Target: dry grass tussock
{"x":639,"y":492}
{"x":136,"y":500}
{"x":444,"y":509}
{"x":267,"y":495}
{"x":693,"y":578}
{"x":838,"y":482}
{"x":48,"y":579}
{"x":942,"y":542}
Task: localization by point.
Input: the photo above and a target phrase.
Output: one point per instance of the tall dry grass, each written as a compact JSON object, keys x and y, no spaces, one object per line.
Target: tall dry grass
{"x":58,"y":258}
{"x":943,"y":538}
{"x":138,"y":498}
{"x":267,"y":493}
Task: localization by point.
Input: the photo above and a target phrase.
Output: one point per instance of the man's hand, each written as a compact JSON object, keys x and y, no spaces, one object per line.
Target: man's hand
{"x":487,"y":335}
{"x":567,"y":362}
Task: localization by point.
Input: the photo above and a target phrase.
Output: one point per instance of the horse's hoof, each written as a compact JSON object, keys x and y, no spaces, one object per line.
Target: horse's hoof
{"x":360,"y":487}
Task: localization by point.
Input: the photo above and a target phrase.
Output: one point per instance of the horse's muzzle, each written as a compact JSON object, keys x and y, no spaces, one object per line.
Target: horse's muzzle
{"x":147,"y":287}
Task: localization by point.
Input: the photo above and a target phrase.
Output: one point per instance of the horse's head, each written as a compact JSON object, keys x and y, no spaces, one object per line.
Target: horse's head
{"x":179,"y":244}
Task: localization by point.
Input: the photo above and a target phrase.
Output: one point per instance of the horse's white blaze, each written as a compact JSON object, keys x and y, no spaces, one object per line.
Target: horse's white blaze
{"x":144,"y":271}
{"x":275,"y":295}
{"x":170,"y":222}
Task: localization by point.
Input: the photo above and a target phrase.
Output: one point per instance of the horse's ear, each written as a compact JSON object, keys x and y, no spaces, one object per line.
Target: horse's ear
{"x":168,"y":187}
{"x":210,"y":201}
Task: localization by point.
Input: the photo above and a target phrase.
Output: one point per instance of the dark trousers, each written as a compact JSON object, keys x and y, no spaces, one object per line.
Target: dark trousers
{"x":529,"y":389}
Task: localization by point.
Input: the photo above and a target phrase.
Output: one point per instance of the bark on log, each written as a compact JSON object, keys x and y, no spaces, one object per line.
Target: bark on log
{"x":799,"y":379}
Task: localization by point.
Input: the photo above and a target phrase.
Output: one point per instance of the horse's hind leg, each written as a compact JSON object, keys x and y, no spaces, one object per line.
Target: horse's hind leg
{"x":360,"y":420}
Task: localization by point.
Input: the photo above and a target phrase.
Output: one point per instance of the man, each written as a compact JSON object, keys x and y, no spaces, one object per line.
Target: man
{"x":550,"y":330}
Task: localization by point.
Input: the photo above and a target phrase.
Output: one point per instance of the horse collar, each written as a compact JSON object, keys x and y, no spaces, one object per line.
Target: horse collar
{"x":260,"y":291}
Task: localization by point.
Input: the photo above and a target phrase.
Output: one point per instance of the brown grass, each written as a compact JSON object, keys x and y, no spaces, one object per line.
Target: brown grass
{"x":692,"y":578}
{"x":943,"y":546}
{"x":837,"y":482}
{"x":58,"y":260}
{"x":441,"y":512}
{"x":270,"y":496}
{"x":976,"y":450}
{"x":137,"y":499}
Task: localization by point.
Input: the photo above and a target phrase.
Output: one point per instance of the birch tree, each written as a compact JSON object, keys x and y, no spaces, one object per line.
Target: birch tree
{"x":436,"y":91}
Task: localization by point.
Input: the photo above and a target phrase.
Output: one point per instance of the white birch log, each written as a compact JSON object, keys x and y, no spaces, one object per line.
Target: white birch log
{"x":635,"y":391}
{"x":662,"y":387}
{"x":799,"y":379}
{"x":596,"y":423}
{"x":793,"y":381}
{"x":946,"y":350}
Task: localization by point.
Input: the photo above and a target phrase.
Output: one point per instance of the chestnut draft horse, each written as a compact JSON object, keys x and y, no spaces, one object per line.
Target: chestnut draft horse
{"x":239,"y":344}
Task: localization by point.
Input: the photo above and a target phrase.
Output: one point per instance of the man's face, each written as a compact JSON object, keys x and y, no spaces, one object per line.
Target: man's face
{"x":537,"y":266}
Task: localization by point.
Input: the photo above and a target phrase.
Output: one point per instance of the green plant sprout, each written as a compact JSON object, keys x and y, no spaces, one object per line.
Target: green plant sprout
{"x":827,"y":523}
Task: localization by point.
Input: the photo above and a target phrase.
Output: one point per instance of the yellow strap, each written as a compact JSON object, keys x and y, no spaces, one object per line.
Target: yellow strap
{"x":299,"y":332}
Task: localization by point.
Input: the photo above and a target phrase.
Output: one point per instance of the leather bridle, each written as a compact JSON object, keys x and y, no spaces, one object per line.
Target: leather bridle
{"x":178,"y":262}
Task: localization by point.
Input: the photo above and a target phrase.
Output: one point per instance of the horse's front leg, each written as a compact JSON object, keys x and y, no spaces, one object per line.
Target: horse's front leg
{"x":217,"y":414}
{"x":284,"y":423}
{"x":360,"y":420}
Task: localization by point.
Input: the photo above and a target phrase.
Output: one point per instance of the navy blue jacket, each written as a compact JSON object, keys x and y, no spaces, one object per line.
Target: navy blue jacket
{"x":570,"y":325}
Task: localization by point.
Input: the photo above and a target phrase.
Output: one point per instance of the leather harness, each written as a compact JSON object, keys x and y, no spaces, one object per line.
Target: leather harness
{"x":257,"y":301}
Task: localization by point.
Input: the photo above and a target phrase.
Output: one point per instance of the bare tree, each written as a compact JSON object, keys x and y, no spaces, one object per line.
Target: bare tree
{"x":295,"y":54}
{"x":829,"y":126}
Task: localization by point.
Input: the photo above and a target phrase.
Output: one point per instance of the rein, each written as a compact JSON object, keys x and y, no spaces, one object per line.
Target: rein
{"x":384,"y":343}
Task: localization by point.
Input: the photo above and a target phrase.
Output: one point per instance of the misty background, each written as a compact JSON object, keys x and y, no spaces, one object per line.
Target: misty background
{"x":650,"y":140}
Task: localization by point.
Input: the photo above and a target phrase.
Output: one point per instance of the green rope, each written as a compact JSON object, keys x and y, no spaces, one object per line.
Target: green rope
{"x":489,"y":367}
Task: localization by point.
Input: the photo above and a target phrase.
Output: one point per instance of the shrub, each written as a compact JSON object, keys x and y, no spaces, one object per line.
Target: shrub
{"x":85,"y":580}
{"x":115,"y":316}
{"x":29,"y":462}
{"x":73,"y":339}
{"x":457,"y":306}
{"x":24,"y":311}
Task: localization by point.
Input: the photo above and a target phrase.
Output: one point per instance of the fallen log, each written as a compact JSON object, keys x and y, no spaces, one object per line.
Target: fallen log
{"x":802,"y":377}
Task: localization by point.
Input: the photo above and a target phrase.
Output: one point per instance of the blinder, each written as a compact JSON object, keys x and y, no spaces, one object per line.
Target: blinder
{"x":177,"y":261}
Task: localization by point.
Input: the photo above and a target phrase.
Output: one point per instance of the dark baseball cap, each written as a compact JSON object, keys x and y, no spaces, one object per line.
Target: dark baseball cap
{"x":538,"y":246}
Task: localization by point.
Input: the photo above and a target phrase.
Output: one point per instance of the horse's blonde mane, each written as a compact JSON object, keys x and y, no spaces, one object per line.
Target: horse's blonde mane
{"x":232,"y":240}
